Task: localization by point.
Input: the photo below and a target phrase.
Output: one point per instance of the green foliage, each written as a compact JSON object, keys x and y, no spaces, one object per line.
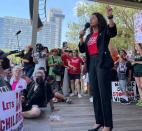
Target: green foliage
{"x":15,"y":60}
{"x":72,"y":35}
{"x":123,"y":17}
{"x":72,"y":46}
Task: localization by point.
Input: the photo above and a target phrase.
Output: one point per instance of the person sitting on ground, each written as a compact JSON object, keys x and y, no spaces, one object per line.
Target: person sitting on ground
{"x":37,"y":95}
{"x":56,"y":89}
{"x":16,"y":81}
{"x":57,"y":94}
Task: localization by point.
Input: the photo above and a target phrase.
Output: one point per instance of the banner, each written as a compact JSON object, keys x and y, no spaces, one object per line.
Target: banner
{"x":138,"y":27}
{"x":11,"y":112}
{"x":117,"y":93}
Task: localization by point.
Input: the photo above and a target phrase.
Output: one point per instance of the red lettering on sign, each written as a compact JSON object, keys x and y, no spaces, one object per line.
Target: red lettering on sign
{"x":18,"y":102}
{"x":7,"y":105}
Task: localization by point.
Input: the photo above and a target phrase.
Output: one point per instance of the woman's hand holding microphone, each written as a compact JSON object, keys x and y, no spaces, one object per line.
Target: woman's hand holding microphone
{"x":81,"y":34}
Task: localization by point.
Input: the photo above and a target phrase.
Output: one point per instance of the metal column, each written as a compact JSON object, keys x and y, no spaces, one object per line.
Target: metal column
{"x":34,"y":23}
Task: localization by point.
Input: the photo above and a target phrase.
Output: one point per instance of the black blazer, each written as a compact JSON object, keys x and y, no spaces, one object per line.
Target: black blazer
{"x":105,"y":59}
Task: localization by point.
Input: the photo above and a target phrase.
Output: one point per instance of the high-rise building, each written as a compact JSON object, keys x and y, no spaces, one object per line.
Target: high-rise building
{"x":9,"y":26}
{"x":55,"y":18}
{"x":49,"y":35}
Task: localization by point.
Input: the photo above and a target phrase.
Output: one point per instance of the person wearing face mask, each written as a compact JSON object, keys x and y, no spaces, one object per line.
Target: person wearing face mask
{"x":124,"y":72}
{"x":99,"y":65}
{"x":35,"y":96}
{"x":16,"y":81}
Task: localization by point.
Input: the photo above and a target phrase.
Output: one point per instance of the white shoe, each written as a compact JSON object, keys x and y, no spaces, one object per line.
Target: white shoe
{"x":79,"y":96}
{"x":72,"y":94}
{"x":91,"y":99}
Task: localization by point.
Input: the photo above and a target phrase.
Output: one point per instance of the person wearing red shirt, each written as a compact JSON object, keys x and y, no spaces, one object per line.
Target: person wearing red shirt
{"x":99,"y":65}
{"x":65,"y":84}
{"x":64,"y":57}
{"x":69,"y":58}
{"x":92,"y":44}
{"x":74,"y":70}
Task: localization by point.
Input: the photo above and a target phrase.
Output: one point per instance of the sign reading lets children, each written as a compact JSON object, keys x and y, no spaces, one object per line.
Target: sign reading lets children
{"x":117,"y":93}
{"x":11,"y":112}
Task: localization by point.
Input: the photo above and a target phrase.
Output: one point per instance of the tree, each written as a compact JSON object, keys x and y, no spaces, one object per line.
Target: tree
{"x":72,"y":46}
{"x":123,"y":17}
{"x":72,"y":35}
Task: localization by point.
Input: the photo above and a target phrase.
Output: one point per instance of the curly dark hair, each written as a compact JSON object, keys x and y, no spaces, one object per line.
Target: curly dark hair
{"x":102,"y":23}
{"x":140,"y":45}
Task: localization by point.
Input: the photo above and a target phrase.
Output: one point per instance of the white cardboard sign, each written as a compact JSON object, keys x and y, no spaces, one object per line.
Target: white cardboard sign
{"x":117,"y":93}
{"x":11,"y":111}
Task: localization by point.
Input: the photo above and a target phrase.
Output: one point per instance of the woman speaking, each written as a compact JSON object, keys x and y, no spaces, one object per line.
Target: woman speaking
{"x":99,"y":65}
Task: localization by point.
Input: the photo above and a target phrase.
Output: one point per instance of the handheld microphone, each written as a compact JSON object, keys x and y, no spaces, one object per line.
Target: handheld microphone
{"x":18,"y":32}
{"x":86,"y":26}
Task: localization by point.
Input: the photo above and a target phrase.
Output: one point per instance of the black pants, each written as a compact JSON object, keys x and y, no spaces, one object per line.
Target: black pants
{"x":100,"y":81}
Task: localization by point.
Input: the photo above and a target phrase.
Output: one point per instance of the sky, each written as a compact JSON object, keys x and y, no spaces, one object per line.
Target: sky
{"x":20,"y":8}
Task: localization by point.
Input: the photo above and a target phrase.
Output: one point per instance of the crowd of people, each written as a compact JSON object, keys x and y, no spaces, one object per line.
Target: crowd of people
{"x":127,"y":68}
{"x":43,"y":76}
{"x":49,"y":68}
{"x":40,"y":75}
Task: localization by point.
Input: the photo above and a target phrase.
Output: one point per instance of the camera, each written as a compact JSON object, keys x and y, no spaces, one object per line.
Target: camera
{"x":39,"y":47}
{"x":40,"y":53}
{"x":20,"y":54}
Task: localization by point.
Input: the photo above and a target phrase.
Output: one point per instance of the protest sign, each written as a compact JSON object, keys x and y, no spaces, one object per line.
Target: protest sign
{"x":11,"y":112}
{"x":117,"y":93}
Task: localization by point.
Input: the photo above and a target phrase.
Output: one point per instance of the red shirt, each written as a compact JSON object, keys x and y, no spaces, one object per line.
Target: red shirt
{"x":75,"y":62}
{"x":65,"y":58}
{"x":92,"y":44}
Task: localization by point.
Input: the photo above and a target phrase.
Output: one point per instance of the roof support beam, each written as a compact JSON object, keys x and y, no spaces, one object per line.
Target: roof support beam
{"x":125,"y":3}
